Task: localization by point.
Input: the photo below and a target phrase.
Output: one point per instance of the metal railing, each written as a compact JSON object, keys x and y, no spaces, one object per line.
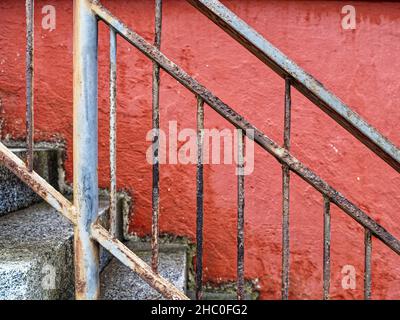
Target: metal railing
{"x":301,"y":80}
{"x":83,"y":213}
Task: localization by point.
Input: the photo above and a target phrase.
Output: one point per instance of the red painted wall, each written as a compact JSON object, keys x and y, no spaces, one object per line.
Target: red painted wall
{"x":361,"y":66}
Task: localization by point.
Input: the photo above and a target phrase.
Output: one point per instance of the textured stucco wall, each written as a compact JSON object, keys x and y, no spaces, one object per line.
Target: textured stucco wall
{"x":361,"y":66}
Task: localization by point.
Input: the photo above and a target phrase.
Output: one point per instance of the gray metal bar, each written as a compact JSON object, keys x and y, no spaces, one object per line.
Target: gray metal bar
{"x":305,"y":83}
{"x":29,"y":6}
{"x":367,"y":263}
{"x":199,"y":199}
{"x":113,"y":132}
{"x":286,"y":195}
{"x":281,"y":154}
{"x":85,"y":149}
{"x":240,"y":218}
{"x":287,"y":114}
{"x":327,"y":248}
{"x":156,"y":128}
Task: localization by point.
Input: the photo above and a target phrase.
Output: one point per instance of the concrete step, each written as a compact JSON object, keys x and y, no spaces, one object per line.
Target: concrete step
{"x":118,"y":282}
{"x":36,"y":250}
{"x":14,"y":194}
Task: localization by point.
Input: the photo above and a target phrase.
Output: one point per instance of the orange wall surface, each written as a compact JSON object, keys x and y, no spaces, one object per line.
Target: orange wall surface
{"x":360,"y":66}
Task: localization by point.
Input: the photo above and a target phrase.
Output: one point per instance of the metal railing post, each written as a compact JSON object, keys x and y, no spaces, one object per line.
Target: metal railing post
{"x":199,"y":199}
{"x":85,"y":150}
{"x":155,"y":229}
{"x":113,"y":132}
{"x":30,"y":26}
{"x":286,"y":194}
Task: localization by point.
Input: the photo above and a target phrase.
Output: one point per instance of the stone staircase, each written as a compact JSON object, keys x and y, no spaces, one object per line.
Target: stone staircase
{"x":36,"y":246}
{"x":36,"y":250}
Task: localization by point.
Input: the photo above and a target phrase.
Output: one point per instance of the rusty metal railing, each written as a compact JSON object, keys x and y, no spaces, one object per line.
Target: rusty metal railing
{"x":88,"y":233}
{"x":286,"y":193}
{"x":29,"y":82}
{"x":83,"y":213}
{"x":301,"y":80}
{"x":324,"y":99}
{"x":199,"y":198}
{"x":382,"y":147}
{"x":113,"y":132}
{"x":156,"y":142}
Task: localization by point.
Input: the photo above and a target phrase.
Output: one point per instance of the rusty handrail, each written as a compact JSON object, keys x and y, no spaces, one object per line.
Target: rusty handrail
{"x":281,"y":154}
{"x":301,"y":80}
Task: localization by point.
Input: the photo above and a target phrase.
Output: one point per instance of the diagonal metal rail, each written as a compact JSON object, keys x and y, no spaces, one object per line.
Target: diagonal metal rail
{"x":281,"y":154}
{"x":301,"y":80}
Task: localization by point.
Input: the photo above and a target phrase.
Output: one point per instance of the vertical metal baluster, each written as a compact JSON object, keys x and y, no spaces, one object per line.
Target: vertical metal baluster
{"x":367,"y":270}
{"x":156,"y":143}
{"x":199,"y":192}
{"x":327,"y":248}
{"x":86,"y":250}
{"x":29,"y":6}
{"x":240,"y":218}
{"x":286,"y":195}
{"x":113,"y":132}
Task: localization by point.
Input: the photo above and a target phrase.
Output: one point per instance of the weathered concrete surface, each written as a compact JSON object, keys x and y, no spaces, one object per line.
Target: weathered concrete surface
{"x":14,"y":194}
{"x":118,"y":282}
{"x":36,"y":255}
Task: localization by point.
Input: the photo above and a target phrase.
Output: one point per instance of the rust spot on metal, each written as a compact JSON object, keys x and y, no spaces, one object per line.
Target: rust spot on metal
{"x":327,"y":249}
{"x":113,"y":132}
{"x":286,"y":194}
{"x":240,"y":216}
{"x":199,"y":199}
{"x":367,"y":265}
{"x":29,"y":5}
